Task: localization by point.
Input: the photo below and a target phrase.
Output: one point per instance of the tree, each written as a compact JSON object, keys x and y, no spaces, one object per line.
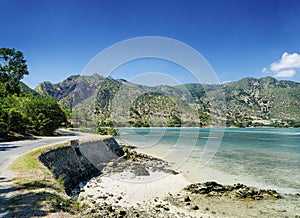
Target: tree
{"x":11,"y":116}
{"x":44,"y":113}
{"x":13,"y":67}
{"x":174,"y":122}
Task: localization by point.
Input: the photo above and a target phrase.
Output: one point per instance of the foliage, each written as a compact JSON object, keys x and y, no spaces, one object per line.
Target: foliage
{"x":106,"y":130}
{"x":30,"y":114}
{"x":262,"y":99}
{"x":23,"y":110}
{"x":174,"y":122}
{"x":12,"y":69}
{"x":44,"y":113}
{"x":249,"y":102}
{"x":12,"y":117}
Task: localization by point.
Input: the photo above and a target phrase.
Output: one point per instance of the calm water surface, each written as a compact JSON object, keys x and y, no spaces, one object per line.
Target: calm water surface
{"x":270,"y":156}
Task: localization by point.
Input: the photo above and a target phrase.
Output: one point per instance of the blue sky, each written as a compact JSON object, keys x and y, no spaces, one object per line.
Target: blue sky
{"x":239,"y":38}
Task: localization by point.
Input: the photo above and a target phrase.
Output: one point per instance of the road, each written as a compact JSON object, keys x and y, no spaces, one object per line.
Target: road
{"x":9,"y":151}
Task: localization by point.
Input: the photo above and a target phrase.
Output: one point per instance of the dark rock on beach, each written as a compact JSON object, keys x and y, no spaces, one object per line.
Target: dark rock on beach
{"x":138,"y":164}
{"x":239,"y":191}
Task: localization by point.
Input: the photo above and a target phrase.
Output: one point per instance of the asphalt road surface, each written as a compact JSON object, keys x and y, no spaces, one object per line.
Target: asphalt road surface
{"x":9,"y":151}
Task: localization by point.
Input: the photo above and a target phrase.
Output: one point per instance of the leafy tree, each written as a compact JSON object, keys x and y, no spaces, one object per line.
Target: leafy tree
{"x":240,"y":125}
{"x":174,"y":122}
{"x":16,"y":120}
{"x":2,"y":90}
{"x":44,"y":113}
{"x":106,"y":130}
{"x":13,"y":67}
{"x":11,"y":116}
{"x":296,"y":124}
{"x":204,"y":118}
{"x":3,"y":116}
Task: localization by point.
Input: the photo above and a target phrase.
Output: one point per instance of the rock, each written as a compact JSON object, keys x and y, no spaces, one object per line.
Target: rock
{"x":194,"y":207}
{"x":109,"y":208}
{"x":111,"y":164}
{"x":140,"y":171}
{"x":236,"y":191}
{"x":258,"y":197}
{"x":187,"y":199}
{"x":122,"y":212}
{"x":166,"y":208}
{"x":158,"y":205}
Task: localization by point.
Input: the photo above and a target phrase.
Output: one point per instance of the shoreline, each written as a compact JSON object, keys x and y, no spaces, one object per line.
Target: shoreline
{"x":162,"y":193}
{"x":210,"y":127}
{"x":165,"y":149}
{"x":194,"y":173}
{"x":139,"y":186}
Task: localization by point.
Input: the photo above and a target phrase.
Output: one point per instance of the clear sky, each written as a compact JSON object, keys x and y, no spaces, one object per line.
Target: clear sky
{"x":239,"y":38}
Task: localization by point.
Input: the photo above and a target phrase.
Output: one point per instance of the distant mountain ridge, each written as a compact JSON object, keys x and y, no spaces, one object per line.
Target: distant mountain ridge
{"x":247,"y":102}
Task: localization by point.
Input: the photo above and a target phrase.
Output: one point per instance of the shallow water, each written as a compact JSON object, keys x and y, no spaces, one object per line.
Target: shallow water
{"x":265,"y":157}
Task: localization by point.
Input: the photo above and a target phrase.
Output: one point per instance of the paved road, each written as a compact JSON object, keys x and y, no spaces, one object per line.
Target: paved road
{"x":9,"y":151}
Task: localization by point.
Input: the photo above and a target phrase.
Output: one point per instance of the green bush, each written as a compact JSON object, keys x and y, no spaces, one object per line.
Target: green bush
{"x":44,"y":113}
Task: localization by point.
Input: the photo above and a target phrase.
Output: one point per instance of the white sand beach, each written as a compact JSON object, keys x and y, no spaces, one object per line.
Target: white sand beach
{"x":137,"y":188}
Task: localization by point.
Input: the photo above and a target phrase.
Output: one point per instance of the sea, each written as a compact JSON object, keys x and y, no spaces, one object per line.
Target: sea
{"x":267,"y":158}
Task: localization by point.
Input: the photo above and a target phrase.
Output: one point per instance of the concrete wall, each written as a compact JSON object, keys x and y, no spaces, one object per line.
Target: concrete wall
{"x":79,"y":162}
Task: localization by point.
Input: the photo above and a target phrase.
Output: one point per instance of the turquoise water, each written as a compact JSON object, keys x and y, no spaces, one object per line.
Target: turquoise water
{"x":270,"y":156}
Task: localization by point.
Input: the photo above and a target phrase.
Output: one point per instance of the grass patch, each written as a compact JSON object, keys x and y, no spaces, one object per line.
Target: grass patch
{"x":29,"y":161}
{"x":37,"y":192}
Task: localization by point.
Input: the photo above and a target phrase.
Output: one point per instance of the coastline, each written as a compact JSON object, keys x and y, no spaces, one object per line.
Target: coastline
{"x":196,"y":174}
{"x":160,"y":193}
{"x":139,"y":184}
{"x":258,"y":145}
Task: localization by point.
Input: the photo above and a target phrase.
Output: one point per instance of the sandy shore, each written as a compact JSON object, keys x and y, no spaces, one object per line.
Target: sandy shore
{"x":140,"y":185}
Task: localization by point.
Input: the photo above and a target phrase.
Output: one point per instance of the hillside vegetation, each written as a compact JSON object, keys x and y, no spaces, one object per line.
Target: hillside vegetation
{"x":105,"y":102}
{"x":23,"y":111}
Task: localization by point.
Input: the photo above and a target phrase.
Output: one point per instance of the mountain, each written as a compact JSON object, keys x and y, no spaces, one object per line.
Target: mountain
{"x":65,"y":91}
{"x":265,"y":99}
{"x":108,"y":101}
{"x":27,"y":90}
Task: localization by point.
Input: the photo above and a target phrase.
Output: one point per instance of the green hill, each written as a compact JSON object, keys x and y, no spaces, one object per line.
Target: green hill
{"x":247,"y":102}
{"x":265,"y":100}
